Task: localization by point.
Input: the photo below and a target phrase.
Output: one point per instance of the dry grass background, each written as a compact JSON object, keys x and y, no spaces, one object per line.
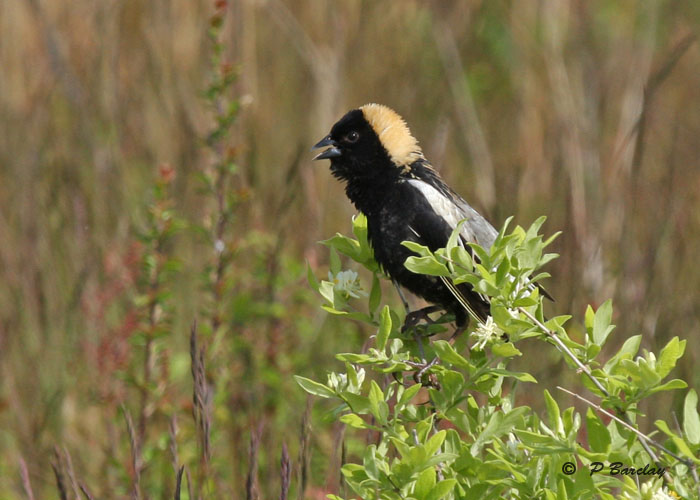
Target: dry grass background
{"x":585,"y":111}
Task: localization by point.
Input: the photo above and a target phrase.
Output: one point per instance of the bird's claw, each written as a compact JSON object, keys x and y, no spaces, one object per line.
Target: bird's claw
{"x":413,"y":318}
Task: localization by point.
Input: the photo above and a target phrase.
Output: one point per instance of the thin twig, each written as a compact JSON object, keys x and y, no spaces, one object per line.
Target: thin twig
{"x":639,"y":434}
{"x":304,"y":448}
{"x":86,"y":492}
{"x":560,"y":344}
{"x":172,"y":432}
{"x":563,"y":348}
{"x":71,"y":473}
{"x":251,"y":486}
{"x":135,"y":453}
{"x":285,"y":473}
{"x":178,"y":483}
{"x":26,"y":483}
{"x":190,"y":490}
{"x":58,"y":473}
{"x":201,"y":407}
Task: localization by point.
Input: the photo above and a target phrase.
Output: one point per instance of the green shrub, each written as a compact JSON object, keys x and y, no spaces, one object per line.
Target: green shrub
{"x":444,"y":420}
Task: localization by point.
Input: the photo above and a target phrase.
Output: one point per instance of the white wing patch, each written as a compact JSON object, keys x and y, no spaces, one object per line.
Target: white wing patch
{"x":444,"y":207}
{"x":476,"y":230}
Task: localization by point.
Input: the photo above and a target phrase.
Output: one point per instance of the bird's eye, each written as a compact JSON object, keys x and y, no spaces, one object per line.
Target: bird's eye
{"x":352,"y":137}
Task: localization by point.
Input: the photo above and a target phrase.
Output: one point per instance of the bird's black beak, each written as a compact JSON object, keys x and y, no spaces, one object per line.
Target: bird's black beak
{"x":332,"y":152}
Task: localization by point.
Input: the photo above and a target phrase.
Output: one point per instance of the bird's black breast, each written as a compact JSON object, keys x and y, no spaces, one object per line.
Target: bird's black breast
{"x":395,"y":220}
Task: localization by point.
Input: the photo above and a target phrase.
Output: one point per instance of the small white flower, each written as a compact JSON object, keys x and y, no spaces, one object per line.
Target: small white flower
{"x":348,"y":283}
{"x":219,"y":246}
{"x":652,"y":490}
{"x":486,"y":333}
{"x":663,"y":494}
{"x":337,"y":381}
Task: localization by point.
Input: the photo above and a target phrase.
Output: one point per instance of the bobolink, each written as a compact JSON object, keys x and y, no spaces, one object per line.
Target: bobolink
{"x":389,"y":180}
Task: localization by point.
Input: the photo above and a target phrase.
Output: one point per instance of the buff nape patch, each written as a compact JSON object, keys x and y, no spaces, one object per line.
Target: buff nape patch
{"x":393,"y":133}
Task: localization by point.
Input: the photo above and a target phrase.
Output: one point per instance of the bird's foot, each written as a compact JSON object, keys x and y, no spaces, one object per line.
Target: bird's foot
{"x":413,"y":318}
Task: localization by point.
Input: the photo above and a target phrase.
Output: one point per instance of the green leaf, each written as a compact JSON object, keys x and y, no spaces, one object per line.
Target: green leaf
{"x":554,"y":414}
{"x":369,"y":462}
{"x":351,"y":357}
{"x":522,"y":376}
{"x":691,"y":420}
{"x":601,"y":323}
{"x":313,"y":387}
{"x":353,"y":377}
{"x":326,"y":291}
{"x":627,"y":351}
{"x":426,"y":265}
{"x":452,"y":383}
{"x":482,"y":254}
{"x":354,"y":421}
{"x":447,"y":354}
{"x":462,"y":258}
{"x":502,"y":271}
{"x":671,"y":385}
{"x":359,"y":228}
{"x":424,"y":483}
{"x":355,"y":315}
{"x":455,"y":237}
{"x":589,"y":318}
{"x":669,"y":355}
{"x":598,"y":434}
{"x":441,"y":489}
{"x":384,"y":328}
{"x":334,"y":261}
{"x":375,"y":295}
{"x":505,"y":350}
{"x":680,"y":443}
{"x":408,"y":394}
{"x":434,"y":443}
{"x":491,"y":430}
{"x":421,"y":250}
{"x":536,"y":440}
{"x":343,"y":244}
{"x":356,"y":402}
{"x":663,"y":426}
{"x":377,"y":405}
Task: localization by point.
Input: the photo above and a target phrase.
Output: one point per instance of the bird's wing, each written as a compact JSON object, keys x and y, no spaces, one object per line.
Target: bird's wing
{"x":452,"y":209}
{"x":435,"y":226}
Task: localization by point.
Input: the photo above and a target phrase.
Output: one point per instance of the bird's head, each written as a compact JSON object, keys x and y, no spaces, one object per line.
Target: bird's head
{"x":370,"y":141}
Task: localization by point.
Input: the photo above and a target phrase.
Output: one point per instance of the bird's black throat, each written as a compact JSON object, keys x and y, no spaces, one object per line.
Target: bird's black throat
{"x":367,"y":186}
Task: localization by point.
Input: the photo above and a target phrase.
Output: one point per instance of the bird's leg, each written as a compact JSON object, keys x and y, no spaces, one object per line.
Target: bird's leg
{"x":407,"y":308}
{"x":403,"y":299}
{"x":457,"y":332}
{"x":412,"y":319}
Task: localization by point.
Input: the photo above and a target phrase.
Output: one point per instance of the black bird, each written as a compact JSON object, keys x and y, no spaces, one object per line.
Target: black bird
{"x":389,"y":180}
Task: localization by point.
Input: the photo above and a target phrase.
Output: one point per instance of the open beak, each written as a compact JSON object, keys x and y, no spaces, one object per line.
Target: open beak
{"x":332,"y":152}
